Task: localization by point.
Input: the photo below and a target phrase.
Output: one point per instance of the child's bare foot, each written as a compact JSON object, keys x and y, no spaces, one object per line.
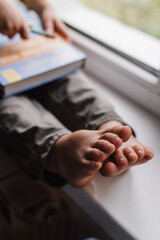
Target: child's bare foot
{"x":77,"y":156}
{"x":130,"y":153}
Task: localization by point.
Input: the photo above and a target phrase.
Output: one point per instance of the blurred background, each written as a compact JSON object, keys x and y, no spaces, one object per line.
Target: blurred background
{"x":140,"y":14}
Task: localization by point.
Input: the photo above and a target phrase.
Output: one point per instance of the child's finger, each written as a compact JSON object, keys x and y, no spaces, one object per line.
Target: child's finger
{"x":11,"y":35}
{"x":24,"y":31}
{"x":61,"y":28}
{"x":48,"y":25}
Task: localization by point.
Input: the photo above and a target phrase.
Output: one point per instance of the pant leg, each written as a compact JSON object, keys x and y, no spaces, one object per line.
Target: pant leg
{"x":74,"y":101}
{"x":29,"y":130}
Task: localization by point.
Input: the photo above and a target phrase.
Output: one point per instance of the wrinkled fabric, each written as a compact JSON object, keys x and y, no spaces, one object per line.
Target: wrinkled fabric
{"x":30,"y":124}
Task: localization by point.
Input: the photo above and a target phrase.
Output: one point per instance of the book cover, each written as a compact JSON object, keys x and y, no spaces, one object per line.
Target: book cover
{"x":25,"y":64}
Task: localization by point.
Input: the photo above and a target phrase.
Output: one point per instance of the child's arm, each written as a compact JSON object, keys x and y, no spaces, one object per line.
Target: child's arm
{"x":11,"y":20}
{"x":50,"y":20}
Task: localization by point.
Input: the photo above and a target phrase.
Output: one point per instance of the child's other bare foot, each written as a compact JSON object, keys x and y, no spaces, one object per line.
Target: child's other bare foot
{"x":77,"y":156}
{"x":129,"y":154}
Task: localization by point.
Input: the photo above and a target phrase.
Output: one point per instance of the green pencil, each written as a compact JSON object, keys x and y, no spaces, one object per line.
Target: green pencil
{"x":42,"y":33}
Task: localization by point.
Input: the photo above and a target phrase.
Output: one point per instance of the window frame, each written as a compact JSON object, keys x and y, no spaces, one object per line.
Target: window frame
{"x":66,"y":12}
{"x":125,"y":76}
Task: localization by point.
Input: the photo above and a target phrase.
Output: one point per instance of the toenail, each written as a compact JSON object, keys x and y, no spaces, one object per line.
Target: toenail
{"x":108,"y":147}
{"x":95,"y":164}
{"x":117,"y":140}
{"x":139,"y":151}
{"x":131,"y":154}
{"x":150,"y":153}
{"x":122,"y":159}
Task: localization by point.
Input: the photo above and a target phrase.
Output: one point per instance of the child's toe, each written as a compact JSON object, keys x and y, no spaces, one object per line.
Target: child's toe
{"x":90,"y":165}
{"x":93,"y":165}
{"x":105,"y":146}
{"x":94,"y":154}
{"x":120,"y":159}
{"x":149,"y":154}
{"x":139,"y":150}
{"x":109,"y":169}
{"x":125,"y":133}
{"x":130,"y":154}
{"x":112,"y":138}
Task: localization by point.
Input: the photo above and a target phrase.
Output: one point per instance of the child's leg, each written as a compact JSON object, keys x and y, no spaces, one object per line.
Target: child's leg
{"x":77,"y":104}
{"x":29,"y":131}
{"x":41,"y":141}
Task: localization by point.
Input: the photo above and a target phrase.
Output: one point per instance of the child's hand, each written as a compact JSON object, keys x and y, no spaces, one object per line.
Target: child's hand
{"x":52,"y":23}
{"x":12,"y":21}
